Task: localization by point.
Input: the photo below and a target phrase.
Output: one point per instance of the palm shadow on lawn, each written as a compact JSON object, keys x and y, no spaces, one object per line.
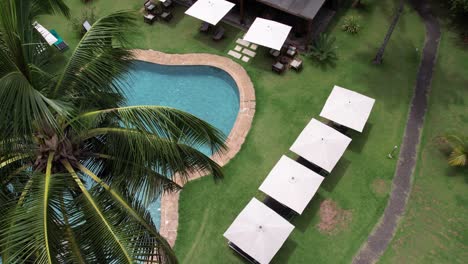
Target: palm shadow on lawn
{"x":303,"y":222}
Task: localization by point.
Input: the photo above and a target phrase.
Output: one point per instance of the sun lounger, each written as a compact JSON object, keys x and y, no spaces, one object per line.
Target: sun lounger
{"x":219,"y":34}
{"x":242,"y":253}
{"x":166,"y":16}
{"x":278,"y":67}
{"x":149,"y":18}
{"x":291,"y":51}
{"x":311,"y":166}
{"x":205,"y":27}
{"x":60,"y":44}
{"x":86,"y":26}
{"x":286,"y":212}
{"x":296,"y":64}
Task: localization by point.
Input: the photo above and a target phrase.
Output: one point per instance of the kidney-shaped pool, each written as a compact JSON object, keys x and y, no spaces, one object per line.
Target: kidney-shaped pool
{"x":204,"y":91}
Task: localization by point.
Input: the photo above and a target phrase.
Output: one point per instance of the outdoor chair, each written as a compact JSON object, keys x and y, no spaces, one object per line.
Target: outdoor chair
{"x":166,"y":16}
{"x":278,"y":67}
{"x":242,"y":253}
{"x":205,"y":27}
{"x":286,"y":212}
{"x":219,"y":34}
{"x":296,"y":64}
{"x":291,"y":51}
{"x":149,"y":18}
{"x":274,"y":53}
{"x":167,"y":3}
{"x":61,"y":45}
{"x":150,"y":6}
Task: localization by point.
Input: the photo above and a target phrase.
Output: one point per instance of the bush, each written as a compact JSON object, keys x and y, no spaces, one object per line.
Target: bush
{"x":323,"y":49}
{"x":351,"y":25}
{"x":459,"y":6}
{"x":77,"y":22}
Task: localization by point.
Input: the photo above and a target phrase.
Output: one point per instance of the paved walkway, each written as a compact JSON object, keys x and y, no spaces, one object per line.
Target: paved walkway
{"x":382,"y":235}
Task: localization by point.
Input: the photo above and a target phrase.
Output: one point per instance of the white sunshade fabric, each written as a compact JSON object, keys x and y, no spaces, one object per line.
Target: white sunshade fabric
{"x":348,"y":108}
{"x":259,"y":231}
{"x":49,"y":38}
{"x":291,"y":184}
{"x":268,"y":33}
{"x":321,"y":145}
{"x":211,"y":11}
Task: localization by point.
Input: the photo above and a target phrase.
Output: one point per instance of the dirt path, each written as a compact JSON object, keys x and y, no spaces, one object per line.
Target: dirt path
{"x":383,"y":233}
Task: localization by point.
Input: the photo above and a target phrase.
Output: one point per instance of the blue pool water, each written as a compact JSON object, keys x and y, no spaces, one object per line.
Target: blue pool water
{"x":206,"y":92}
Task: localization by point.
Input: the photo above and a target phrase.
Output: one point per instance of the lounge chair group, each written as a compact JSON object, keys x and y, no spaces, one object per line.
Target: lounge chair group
{"x":218,"y":31}
{"x":286,"y":58}
{"x":292,"y":184}
{"x":153,"y":11}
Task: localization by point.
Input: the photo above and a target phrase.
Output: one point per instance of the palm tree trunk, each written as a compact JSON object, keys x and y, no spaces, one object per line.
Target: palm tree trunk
{"x":379,"y":56}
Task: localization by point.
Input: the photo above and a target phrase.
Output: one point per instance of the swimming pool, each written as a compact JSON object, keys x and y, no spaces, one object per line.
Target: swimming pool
{"x":206,"y":92}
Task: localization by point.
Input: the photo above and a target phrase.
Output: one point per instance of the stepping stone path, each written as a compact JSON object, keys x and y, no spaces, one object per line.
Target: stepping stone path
{"x":243,"y":50}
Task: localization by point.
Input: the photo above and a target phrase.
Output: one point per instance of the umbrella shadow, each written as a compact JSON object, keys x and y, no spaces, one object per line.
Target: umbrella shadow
{"x":332,"y":179}
{"x":360,"y":139}
{"x":285,"y":252}
{"x":303,"y":222}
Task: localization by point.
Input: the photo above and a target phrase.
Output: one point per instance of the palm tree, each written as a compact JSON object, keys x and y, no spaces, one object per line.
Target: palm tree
{"x":78,"y":170}
{"x":458,"y":150}
{"x":379,"y":56}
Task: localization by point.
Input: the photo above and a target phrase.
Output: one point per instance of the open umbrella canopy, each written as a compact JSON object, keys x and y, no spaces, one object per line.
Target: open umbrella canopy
{"x":348,"y":108}
{"x":211,"y":11}
{"x":267,"y":33}
{"x":259,"y":231}
{"x":49,"y":38}
{"x":321,"y":145}
{"x":291,"y":184}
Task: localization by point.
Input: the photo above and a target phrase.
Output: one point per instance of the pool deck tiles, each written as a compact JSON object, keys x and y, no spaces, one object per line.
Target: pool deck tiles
{"x":245,"y":58}
{"x":242,"y":125}
{"x":234,"y":54}
{"x":253,"y":47}
{"x":238,"y":48}
{"x":249,"y":52}
{"x":242,"y":42}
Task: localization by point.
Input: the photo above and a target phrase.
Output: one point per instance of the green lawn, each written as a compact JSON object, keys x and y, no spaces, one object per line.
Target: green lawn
{"x":433,"y":229}
{"x":284,"y":106}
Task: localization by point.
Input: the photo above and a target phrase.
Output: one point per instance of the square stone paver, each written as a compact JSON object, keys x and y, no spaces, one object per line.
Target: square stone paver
{"x":238,"y":48}
{"x":245,"y":59}
{"x":243,"y":42}
{"x":248,"y":52}
{"x":253,"y":46}
{"x":234,"y":54}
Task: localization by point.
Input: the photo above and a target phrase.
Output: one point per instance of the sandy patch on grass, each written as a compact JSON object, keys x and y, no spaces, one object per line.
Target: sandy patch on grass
{"x":332,"y":218}
{"x":380,"y":187}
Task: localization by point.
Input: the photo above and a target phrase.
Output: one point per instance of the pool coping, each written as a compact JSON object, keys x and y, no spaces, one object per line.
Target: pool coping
{"x":242,"y":125}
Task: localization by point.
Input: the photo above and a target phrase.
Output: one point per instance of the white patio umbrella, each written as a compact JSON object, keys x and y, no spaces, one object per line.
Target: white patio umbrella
{"x":321,"y":145}
{"x":348,"y":108}
{"x":49,"y":38}
{"x":259,"y":231}
{"x":268,"y":33}
{"x":211,"y":11}
{"x":291,"y":184}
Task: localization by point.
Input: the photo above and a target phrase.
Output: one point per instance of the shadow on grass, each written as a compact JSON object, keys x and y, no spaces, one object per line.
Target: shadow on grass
{"x":285,"y":251}
{"x":304,"y":221}
{"x":360,"y":139}
{"x":332,"y":179}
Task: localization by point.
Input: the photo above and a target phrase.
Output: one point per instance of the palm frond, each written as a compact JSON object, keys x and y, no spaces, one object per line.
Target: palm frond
{"x":98,"y":60}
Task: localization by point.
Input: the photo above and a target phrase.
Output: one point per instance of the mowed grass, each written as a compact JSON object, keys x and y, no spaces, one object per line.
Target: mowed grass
{"x":285,"y":104}
{"x":433,"y":229}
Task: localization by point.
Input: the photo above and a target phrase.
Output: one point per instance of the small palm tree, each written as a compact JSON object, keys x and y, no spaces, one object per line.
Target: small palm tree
{"x":458,"y":150}
{"x":323,"y":48}
{"x":78,"y":170}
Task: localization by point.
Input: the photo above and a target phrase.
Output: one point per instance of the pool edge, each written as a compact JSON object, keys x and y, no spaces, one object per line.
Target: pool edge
{"x":242,"y":125}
